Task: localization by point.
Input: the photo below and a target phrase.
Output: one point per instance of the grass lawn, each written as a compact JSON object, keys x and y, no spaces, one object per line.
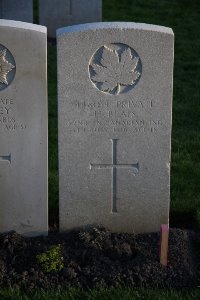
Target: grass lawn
{"x":184,"y":18}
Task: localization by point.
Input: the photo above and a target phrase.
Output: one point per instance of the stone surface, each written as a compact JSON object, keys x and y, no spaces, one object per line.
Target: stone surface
{"x":59,"y":13}
{"x":115,"y":103}
{"x":20,"y":10}
{"x":23,"y":128}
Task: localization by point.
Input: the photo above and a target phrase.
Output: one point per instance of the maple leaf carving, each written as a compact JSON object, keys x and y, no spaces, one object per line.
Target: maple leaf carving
{"x":115,"y":71}
{"x":5,"y":67}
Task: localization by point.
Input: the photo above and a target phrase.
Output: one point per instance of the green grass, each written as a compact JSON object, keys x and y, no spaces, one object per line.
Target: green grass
{"x":111,"y":294}
{"x":53,"y":140}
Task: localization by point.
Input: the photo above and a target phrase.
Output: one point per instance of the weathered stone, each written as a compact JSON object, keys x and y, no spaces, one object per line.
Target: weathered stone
{"x":23,"y":128}
{"x":59,"y":13}
{"x":20,"y":10}
{"x":115,"y":103}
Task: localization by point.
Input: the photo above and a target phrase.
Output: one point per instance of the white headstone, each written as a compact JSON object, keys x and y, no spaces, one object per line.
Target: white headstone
{"x":18,"y":10}
{"x":59,"y":13}
{"x":115,"y":104}
{"x":23,"y":128}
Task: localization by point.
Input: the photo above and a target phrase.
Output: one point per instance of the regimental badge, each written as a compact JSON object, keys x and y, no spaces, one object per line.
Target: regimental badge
{"x":7,"y":67}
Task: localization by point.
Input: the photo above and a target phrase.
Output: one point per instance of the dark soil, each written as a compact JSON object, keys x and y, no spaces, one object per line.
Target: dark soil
{"x":97,"y":258}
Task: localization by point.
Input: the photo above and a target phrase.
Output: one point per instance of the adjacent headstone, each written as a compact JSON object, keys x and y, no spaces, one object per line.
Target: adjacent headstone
{"x":23,"y":128}
{"x":19,"y":10}
{"x":59,"y":13}
{"x":115,"y":103}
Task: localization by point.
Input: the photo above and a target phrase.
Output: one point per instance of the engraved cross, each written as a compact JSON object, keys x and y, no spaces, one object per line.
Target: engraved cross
{"x":6,"y":158}
{"x":114,"y":166}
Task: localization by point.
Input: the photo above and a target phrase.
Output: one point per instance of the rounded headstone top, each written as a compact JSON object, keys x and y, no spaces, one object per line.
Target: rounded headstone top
{"x":23,"y":25}
{"x":113,"y":25}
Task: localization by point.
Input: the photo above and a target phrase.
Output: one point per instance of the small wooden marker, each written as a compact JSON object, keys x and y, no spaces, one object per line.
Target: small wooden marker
{"x":164,"y":237}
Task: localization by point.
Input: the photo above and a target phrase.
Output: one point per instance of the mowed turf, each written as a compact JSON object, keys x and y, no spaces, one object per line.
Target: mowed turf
{"x":184,"y":18}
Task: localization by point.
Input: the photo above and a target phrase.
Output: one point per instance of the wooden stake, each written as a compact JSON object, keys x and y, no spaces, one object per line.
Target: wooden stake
{"x":164,"y":237}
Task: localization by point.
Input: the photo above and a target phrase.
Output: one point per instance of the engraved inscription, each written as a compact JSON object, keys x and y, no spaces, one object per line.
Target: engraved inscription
{"x":6,"y":158}
{"x":115,"y":69}
{"x":7,"y":67}
{"x":114,"y":166}
{"x":134,"y":116}
{"x":7,"y":116}
{"x":130,"y":104}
